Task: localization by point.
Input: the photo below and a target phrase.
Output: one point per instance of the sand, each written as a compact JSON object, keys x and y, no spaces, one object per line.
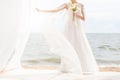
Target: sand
{"x":102,"y":69}
{"x":107,"y":69}
{"x":51,"y":73}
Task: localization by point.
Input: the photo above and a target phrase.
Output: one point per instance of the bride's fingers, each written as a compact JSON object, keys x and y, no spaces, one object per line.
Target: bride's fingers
{"x":37,"y":9}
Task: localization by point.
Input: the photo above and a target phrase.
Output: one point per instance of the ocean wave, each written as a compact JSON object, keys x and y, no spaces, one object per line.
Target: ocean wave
{"x":108,"y":47}
{"x":108,"y":61}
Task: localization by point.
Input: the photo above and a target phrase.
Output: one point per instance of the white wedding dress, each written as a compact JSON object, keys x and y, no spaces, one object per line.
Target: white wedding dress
{"x":75,"y":33}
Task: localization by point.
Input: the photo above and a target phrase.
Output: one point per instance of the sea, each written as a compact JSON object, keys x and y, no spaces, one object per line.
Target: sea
{"x":105,"y":47}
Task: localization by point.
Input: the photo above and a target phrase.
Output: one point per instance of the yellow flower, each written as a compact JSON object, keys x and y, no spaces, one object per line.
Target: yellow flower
{"x":73,"y":6}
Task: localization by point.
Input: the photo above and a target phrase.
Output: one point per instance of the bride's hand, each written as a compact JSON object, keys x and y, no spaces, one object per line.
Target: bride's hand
{"x":37,"y":9}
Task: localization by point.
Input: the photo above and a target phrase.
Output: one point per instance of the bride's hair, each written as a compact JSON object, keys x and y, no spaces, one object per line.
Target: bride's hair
{"x":73,"y":0}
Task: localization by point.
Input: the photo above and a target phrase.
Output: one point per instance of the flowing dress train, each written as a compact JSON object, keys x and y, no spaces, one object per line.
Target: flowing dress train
{"x":75,"y":33}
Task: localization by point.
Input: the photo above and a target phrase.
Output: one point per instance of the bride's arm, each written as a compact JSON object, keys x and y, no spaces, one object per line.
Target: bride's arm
{"x":82,"y":17}
{"x":61,"y":7}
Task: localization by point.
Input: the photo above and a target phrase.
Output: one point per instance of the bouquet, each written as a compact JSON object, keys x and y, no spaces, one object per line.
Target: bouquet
{"x":74,"y":6}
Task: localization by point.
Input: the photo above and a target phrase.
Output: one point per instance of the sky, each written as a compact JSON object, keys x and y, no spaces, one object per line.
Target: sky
{"x":102,"y":16}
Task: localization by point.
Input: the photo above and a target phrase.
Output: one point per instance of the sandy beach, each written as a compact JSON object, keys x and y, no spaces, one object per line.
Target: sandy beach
{"x":111,"y":69}
{"x":102,"y":69}
{"x":51,"y":73}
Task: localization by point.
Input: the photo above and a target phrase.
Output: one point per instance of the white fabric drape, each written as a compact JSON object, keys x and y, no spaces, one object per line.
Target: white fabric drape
{"x":23,"y":8}
{"x":8,"y":30}
{"x":14,"y":31}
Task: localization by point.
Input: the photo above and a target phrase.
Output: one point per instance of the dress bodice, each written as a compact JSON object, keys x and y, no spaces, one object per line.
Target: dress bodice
{"x":73,"y":8}
{"x":76,"y":7}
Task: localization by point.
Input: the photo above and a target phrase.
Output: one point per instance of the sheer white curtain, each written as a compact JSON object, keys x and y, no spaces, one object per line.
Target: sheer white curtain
{"x":14,"y":31}
{"x":23,"y":9}
{"x":8,"y":30}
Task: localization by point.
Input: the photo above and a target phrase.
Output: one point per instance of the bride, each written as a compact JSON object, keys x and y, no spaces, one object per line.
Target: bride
{"x":74,"y":32}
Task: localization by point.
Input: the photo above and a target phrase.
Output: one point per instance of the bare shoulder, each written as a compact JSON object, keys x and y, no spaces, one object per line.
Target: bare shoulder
{"x":65,"y":5}
{"x":80,"y":4}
